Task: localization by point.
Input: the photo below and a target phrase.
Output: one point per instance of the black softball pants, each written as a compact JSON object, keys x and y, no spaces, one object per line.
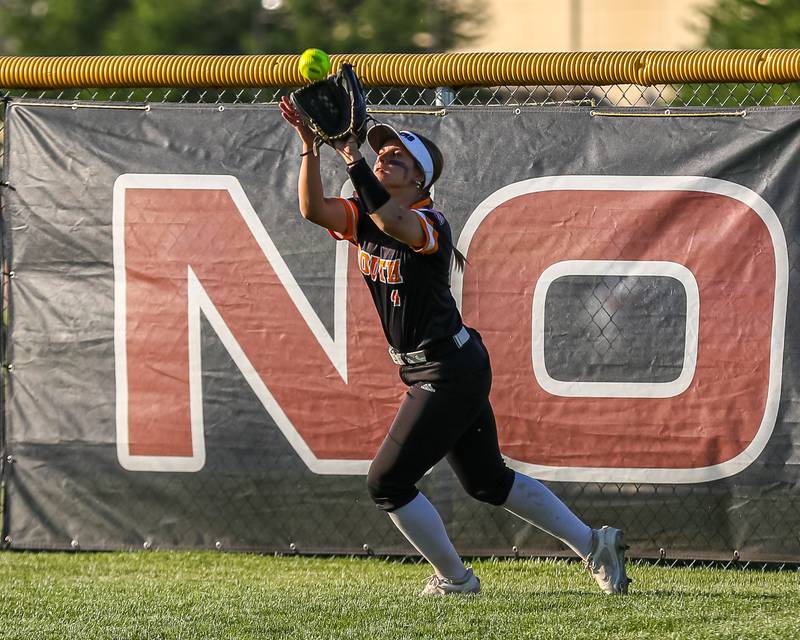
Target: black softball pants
{"x":445,"y":413}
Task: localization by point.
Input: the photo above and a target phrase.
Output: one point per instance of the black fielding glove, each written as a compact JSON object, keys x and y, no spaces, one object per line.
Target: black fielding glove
{"x":334,"y":108}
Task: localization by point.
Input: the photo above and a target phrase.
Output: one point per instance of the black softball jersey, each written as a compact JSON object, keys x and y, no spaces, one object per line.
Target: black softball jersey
{"x":410,"y":286}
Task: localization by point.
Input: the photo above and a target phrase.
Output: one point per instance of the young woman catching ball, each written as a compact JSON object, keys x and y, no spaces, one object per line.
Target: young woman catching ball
{"x":446,"y":412}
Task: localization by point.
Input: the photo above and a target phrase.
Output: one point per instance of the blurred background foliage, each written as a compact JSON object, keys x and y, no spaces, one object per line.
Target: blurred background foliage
{"x":108,"y":27}
{"x":748,"y":24}
{"x":753,"y":24}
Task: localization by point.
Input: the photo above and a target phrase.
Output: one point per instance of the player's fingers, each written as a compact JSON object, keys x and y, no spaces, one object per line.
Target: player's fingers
{"x":290,"y":114}
{"x":287,"y":106}
{"x":290,"y":117}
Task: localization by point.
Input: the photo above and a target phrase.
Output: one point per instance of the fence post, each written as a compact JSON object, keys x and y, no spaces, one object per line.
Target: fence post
{"x":445,"y":96}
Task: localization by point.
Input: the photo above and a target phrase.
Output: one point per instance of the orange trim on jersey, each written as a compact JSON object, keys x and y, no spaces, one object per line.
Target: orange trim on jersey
{"x":425,"y":202}
{"x":351,"y":217}
{"x":431,"y":241}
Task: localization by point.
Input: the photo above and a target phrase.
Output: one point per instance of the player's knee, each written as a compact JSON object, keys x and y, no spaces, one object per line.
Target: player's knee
{"x":493,"y":489}
{"x":488,"y":494}
{"x":387,"y":492}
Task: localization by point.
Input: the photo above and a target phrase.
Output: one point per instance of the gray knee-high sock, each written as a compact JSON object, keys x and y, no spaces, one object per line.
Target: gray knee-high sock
{"x":421,"y":524}
{"x":530,"y":500}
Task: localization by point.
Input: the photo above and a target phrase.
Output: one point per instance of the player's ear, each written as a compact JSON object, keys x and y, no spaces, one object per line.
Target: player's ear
{"x":419,"y":177}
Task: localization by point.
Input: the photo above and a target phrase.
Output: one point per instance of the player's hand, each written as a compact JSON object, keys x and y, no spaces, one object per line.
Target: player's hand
{"x":291,"y":116}
{"x":348,"y":149}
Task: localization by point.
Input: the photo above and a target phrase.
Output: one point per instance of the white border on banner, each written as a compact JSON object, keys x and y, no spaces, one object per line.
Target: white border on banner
{"x":657,"y":183}
{"x":334,"y":347}
{"x":576,"y":388}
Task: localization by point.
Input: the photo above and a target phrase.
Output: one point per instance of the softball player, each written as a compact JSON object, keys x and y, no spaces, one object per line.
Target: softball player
{"x":405,"y":249}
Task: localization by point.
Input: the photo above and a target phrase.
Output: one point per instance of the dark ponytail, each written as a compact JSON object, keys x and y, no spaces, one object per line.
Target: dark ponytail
{"x":459,"y":259}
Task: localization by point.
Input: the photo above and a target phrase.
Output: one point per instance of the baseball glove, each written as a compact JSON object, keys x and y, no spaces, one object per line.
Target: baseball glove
{"x":334,"y":108}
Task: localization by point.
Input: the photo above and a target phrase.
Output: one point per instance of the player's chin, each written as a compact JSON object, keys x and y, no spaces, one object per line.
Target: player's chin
{"x":384,"y":177}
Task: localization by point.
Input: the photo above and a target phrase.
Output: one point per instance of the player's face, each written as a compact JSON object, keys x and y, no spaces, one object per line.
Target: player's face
{"x":395,"y":166}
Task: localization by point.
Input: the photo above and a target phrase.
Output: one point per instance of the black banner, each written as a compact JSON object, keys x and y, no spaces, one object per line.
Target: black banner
{"x":193,"y":365}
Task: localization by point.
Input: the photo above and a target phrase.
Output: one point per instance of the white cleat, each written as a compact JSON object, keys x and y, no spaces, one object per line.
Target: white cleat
{"x":606,"y":560}
{"x":438,"y":586}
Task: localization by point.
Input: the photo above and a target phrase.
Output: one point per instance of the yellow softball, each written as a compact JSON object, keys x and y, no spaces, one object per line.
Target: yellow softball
{"x":314,"y":65}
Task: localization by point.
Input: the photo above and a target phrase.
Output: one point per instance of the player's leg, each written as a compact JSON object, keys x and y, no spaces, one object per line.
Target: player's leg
{"x":477,"y":461}
{"x":425,"y":428}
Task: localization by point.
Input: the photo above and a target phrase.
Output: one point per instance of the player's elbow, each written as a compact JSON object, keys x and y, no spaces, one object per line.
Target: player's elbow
{"x":381,"y":223}
{"x":310,"y":213}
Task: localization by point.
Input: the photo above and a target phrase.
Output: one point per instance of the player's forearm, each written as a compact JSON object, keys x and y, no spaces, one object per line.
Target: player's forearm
{"x":309,"y":186}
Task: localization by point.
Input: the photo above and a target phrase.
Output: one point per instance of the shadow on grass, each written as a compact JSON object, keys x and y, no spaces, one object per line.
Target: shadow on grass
{"x":672,"y":593}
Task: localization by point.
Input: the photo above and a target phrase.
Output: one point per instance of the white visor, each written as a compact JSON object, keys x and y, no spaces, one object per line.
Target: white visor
{"x":380,"y":133}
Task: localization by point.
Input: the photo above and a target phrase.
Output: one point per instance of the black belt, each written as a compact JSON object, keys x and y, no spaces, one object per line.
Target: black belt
{"x":436,"y":350}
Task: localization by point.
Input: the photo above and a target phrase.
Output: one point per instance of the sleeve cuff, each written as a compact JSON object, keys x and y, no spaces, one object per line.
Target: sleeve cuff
{"x":351,"y":216}
{"x":430,"y":242}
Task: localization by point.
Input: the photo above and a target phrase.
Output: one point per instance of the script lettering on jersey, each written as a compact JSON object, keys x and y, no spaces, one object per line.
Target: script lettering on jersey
{"x":378,"y":268}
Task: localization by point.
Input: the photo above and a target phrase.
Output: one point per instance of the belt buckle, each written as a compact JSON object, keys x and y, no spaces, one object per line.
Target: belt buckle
{"x":415,"y":357}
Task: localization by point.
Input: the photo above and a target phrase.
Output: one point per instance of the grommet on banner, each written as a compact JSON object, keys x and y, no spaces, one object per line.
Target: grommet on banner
{"x":367,"y":549}
{"x":74,"y":544}
{"x":7,"y":185}
{"x":12,"y":274}
{"x":736,"y":556}
{"x":10,"y":366}
{"x":7,"y":541}
{"x":10,"y":459}
{"x":292,"y":547}
{"x":147,"y":545}
{"x":218,"y":545}
{"x":662,"y":554}
{"x":515,"y":551}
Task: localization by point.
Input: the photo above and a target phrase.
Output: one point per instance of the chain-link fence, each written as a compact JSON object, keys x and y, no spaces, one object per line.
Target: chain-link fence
{"x":666,"y":96}
{"x":609,"y":305}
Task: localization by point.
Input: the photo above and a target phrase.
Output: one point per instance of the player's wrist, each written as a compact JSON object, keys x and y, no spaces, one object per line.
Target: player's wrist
{"x":351,"y":155}
{"x":370,"y":191}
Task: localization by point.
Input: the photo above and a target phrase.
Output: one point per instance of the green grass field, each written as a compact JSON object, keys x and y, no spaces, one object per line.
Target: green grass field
{"x":217,"y":595}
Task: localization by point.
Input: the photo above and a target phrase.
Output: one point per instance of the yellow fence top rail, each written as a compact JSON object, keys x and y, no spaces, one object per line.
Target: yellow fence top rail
{"x":407,"y":70}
